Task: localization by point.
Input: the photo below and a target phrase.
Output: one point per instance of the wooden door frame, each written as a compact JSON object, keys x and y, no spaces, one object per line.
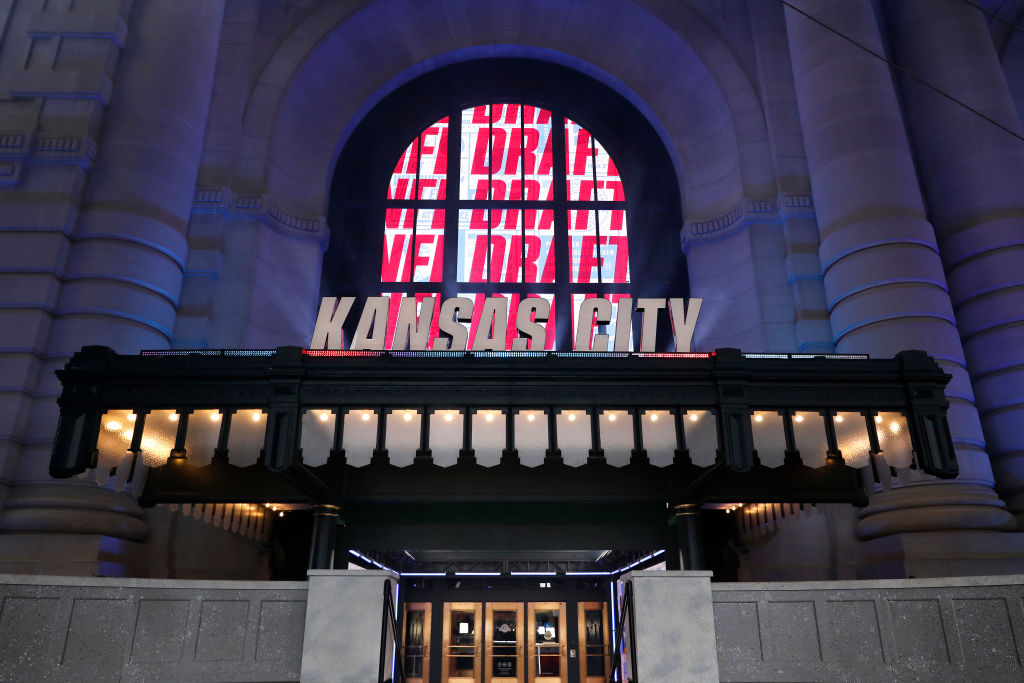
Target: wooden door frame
{"x":426,"y":608}
{"x":581,"y":626}
{"x":563,"y":639}
{"x":477,"y":609}
{"x":520,"y":609}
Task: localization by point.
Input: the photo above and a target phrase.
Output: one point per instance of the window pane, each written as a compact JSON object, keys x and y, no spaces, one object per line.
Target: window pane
{"x":852,"y":438}
{"x":579,"y":163}
{"x":769,"y":437}
{"x":246,"y":436}
{"x":809,"y":433}
{"x":540,"y":256}
{"x":583,"y":259}
{"x":893,"y":437}
{"x":614,"y":246}
{"x":317,"y":436}
{"x":474,"y":153}
{"x":506,"y":152}
{"x":537,"y":157}
{"x":472,"y":245}
{"x":403,"y":180}
{"x":434,"y":161}
{"x":428,"y":259}
{"x":609,"y":184}
{"x":158,"y":437}
{"x":115,"y":437}
{"x":201,"y":436}
{"x":701,"y":429}
{"x":397,"y":245}
{"x":506,"y":246}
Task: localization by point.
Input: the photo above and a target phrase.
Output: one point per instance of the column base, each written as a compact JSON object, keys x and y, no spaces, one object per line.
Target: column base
{"x":940,"y":553}
{"x":53,"y":554}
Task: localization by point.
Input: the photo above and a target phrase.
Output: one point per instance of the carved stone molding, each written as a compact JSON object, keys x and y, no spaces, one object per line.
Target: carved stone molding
{"x":221,"y":200}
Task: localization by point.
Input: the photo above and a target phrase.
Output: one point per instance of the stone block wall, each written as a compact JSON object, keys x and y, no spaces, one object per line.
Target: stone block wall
{"x":78,"y":629}
{"x":913,"y":629}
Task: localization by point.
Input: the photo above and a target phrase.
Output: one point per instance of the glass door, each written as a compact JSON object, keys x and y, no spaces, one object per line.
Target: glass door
{"x":595,"y":655}
{"x":546,"y":637}
{"x":416,"y":642}
{"x":503,"y":640}
{"x":460,"y":643}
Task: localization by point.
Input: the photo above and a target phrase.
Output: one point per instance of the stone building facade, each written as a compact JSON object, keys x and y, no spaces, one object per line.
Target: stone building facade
{"x":166,"y":173}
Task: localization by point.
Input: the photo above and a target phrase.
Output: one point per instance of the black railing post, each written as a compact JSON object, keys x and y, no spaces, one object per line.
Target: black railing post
{"x":389,"y":620}
{"x":625,"y":619}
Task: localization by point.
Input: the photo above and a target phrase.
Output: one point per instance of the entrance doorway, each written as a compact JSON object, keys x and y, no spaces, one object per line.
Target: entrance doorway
{"x":508,"y":642}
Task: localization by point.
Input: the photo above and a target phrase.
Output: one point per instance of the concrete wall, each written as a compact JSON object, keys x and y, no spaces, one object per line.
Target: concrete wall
{"x":80,"y":629}
{"x":914,"y":629}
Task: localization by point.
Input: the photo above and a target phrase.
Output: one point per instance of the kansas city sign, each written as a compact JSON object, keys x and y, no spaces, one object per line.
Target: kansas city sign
{"x":415,"y":320}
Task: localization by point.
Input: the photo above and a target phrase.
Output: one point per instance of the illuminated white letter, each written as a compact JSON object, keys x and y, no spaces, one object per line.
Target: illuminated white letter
{"x":649,"y":326}
{"x":493,"y":326}
{"x":585,"y":321}
{"x":624,"y":324}
{"x":374,"y":317}
{"x":328,"y":334}
{"x":411,"y":328}
{"x":454,"y":312}
{"x":535,"y":333}
{"x":684,"y":321}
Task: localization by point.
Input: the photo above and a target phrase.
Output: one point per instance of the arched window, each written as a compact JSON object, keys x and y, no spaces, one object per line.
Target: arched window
{"x":418,"y":208}
{"x":506,"y":199}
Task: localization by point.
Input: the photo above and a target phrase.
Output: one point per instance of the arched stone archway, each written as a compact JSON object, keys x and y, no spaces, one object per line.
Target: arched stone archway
{"x":673,"y":63}
{"x":341,"y":60}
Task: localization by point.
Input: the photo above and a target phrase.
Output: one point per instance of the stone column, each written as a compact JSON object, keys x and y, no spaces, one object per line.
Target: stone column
{"x":971,"y":173}
{"x":342,"y":639}
{"x":675,"y":626}
{"x":883,"y":276}
{"x":122,"y":274}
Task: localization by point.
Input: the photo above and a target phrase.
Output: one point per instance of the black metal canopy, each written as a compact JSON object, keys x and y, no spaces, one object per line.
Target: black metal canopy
{"x":288,"y":382}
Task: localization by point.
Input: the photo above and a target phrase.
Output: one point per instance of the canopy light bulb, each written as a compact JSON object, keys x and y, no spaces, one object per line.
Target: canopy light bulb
{"x":531,"y":417}
{"x":878,"y":419}
{"x":266,"y":505}
{"x":448,"y":417}
{"x":759,"y":418}
{"x":366,"y":417}
{"x":407,"y":417}
{"x":489,"y":417}
{"x":693,"y":417}
{"x":654,"y":417}
{"x":173,"y":417}
{"x":323,"y":417}
{"x":839,"y":418}
{"x":255,"y":416}
{"x":894,"y":427}
{"x":113,"y":425}
{"x":798,"y":418}
{"x":280,"y":514}
{"x":215,"y":417}
{"x":572,"y":417}
{"x":131,"y":417}
{"x":274,"y":508}
{"x":611,"y":417}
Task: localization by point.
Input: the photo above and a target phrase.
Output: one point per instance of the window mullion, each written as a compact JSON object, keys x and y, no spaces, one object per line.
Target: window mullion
{"x":561,"y":252}
{"x":597,"y":215}
{"x":415,"y":212}
{"x":450,"y":268}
